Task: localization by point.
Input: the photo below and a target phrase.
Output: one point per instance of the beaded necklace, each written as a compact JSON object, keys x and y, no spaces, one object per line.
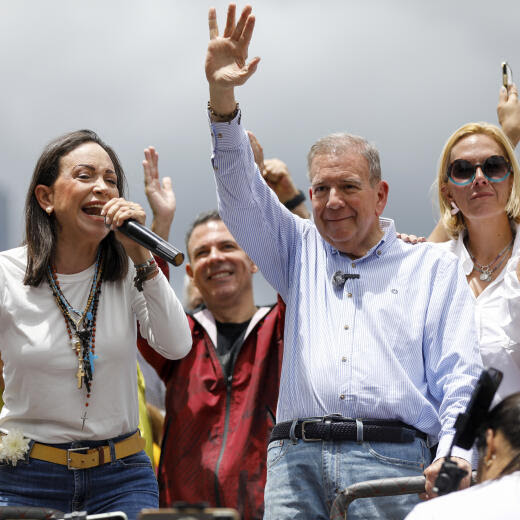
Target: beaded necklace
{"x":81,"y":326}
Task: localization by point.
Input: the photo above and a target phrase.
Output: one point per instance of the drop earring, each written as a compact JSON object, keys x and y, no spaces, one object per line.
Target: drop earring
{"x":455,"y":208}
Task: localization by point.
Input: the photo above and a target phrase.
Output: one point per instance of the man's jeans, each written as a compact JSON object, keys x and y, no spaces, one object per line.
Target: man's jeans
{"x":127,"y":485}
{"x":303,"y":478}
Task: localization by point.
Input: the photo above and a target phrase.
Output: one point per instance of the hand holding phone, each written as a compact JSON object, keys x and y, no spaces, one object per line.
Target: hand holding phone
{"x":508,"y":109}
{"x":507,"y":74}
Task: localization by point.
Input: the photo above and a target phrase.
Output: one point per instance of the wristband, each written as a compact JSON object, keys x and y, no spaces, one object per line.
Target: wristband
{"x":223,"y":118}
{"x":295,"y":201}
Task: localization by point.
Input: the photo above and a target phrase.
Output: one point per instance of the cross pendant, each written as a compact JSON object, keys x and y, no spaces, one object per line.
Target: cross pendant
{"x":79,"y":374}
{"x":83,"y":418}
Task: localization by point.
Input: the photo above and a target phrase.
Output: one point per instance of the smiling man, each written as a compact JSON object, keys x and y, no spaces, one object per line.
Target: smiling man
{"x":380,"y":346}
{"x":221,"y":399}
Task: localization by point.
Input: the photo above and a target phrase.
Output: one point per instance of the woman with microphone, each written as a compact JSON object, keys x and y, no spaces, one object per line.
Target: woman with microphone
{"x":68,"y":308}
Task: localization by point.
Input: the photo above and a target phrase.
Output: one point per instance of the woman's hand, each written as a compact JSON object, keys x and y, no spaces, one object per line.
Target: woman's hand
{"x":508,"y":111}
{"x":118,"y":210}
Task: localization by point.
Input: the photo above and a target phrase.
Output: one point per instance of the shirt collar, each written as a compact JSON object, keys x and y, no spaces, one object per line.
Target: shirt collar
{"x":463,"y":255}
{"x":389,"y":236}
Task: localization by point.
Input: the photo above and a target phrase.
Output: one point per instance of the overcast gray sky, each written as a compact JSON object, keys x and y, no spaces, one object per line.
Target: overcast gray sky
{"x":404,"y":74}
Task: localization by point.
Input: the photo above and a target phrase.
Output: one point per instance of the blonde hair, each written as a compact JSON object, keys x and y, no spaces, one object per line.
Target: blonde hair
{"x":455,"y":223}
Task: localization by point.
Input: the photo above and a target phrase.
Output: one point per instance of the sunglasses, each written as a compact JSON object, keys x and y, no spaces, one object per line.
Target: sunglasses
{"x":495,"y":169}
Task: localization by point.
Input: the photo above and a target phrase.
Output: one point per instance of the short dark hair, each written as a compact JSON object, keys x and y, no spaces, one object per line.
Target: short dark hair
{"x":504,"y":417}
{"x":201,"y":218}
{"x":41,"y":229}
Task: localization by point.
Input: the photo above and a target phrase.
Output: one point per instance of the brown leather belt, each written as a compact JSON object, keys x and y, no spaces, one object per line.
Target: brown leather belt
{"x":85,"y":458}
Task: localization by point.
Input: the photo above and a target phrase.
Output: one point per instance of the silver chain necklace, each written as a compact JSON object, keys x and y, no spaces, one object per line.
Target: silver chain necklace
{"x":486,"y":271}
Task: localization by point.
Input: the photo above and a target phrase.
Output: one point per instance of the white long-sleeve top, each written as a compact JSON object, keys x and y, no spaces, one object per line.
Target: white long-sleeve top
{"x":497,"y":313}
{"x":41,"y":395}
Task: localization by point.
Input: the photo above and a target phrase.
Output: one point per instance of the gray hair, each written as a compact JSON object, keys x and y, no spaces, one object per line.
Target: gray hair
{"x":342,"y":143}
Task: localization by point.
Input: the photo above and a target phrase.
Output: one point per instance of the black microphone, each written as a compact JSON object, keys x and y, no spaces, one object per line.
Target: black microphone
{"x":339,"y":278}
{"x":154,"y":243}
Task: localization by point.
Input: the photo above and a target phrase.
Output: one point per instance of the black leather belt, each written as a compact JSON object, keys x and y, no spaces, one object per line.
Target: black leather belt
{"x":339,"y":428}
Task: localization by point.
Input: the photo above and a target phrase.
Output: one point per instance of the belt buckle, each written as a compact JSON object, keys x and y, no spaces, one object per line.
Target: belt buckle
{"x":69,"y":460}
{"x":310,"y":421}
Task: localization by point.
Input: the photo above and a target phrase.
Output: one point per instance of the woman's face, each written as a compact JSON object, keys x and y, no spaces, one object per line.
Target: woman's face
{"x":480,"y":199}
{"x":86,"y":181}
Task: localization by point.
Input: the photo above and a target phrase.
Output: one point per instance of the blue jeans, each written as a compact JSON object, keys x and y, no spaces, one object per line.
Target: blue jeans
{"x":127,"y":485}
{"x":303,"y":478}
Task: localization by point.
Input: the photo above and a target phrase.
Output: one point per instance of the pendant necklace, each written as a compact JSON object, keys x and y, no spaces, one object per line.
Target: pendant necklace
{"x":81,"y":326}
{"x":486,"y":271}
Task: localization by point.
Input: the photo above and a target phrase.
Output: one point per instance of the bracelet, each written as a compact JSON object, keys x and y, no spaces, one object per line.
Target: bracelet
{"x":223,"y":118}
{"x":149,"y":262}
{"x":144,"y":271}
{"x":295,"y":201}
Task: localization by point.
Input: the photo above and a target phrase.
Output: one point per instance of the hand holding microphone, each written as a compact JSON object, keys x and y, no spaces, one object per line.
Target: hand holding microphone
{"x":153,"y":242}
{"x":136,"y":231}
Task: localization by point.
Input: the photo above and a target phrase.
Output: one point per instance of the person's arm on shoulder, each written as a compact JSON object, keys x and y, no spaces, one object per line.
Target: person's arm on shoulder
{"x":508,"y":111}
{"x":439,"y":233}
{"x":451,"y":358}
{"x":278,"y":178}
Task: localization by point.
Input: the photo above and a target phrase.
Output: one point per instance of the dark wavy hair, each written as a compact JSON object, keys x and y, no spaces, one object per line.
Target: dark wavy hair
{"x":41,"y":229}
{"x":504,"y":417}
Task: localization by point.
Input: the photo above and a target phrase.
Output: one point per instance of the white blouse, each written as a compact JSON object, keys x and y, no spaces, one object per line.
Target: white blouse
{"x":41,"y":394}
{"x":497,"y":315}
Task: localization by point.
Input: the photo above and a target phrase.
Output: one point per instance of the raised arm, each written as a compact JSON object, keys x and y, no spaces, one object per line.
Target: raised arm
{"x":278,"y":178}
{"x":159,"y":193}
{"x":226,"y":60}
{"x":508,"y":111}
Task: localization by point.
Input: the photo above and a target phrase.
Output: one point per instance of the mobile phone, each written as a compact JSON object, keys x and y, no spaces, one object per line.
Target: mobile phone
{"x":507,"y":74}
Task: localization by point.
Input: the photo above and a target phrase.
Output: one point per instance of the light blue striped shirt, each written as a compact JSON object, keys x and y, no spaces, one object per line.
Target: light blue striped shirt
{"x":399,"y":343}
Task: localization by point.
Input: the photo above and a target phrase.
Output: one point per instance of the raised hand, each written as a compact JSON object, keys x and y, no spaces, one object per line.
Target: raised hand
{"x":258,"y":151}
{"x":508,"y":111}
{"x":160,"y":195}
{"x":279,"y":179}
{"x":226,"y":57}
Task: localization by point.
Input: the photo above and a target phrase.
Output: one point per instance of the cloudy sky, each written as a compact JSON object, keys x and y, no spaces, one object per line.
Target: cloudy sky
{"x":404,"y":74}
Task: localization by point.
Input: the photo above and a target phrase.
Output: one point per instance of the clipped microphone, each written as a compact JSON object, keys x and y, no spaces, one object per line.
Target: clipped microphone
{"x":339,"y":278}
{"x":153,"y":242}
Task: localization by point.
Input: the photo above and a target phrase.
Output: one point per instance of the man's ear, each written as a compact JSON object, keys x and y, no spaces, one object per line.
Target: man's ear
{"x":45,"y":197}
{"x":189,"y":271}
{"x":382,"y":197}
{"x":310,"y":193}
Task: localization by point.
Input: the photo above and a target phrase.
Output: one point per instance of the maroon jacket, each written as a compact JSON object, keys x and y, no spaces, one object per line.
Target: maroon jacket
{"x":216,"y":431}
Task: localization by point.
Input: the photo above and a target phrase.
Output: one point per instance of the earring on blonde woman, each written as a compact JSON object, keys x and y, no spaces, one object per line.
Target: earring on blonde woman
{"x":455,"y":208}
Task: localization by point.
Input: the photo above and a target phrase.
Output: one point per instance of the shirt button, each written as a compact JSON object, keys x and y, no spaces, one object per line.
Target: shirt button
{"x":349,"y":295}
{"x":219,"y":135}
{"x":353,"y":264}
{"x":378,"y":252}
{"x":215,"y":168}
{"x":342,"y":396}
{"x":343,"y":359}
{"x":345,"y":327}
